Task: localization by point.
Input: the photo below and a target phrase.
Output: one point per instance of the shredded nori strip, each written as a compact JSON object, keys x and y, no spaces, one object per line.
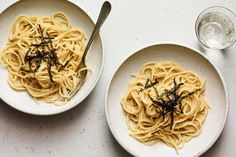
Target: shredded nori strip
{"x":169,"y":102}
{"x":37,"y":54}
{"x":149,"y":84}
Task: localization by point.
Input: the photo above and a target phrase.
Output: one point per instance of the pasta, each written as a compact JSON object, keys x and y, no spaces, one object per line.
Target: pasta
{"x":165,"y":103}
{"x":42,"y":57}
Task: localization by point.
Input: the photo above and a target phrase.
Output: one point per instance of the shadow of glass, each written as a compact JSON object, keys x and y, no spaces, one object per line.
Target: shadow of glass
{"x":217,"y":57}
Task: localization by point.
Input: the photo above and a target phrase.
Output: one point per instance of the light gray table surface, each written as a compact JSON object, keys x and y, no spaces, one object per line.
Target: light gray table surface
{"x":83,"y":131}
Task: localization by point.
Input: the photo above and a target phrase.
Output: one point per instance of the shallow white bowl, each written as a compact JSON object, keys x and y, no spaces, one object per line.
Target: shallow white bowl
{"x":189,"y":59}
{"x":22,"y":100}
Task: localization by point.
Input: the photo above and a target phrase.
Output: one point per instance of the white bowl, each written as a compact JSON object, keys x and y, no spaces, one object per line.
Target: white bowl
{"x":22,"y":100}
{"x":189,"y":59}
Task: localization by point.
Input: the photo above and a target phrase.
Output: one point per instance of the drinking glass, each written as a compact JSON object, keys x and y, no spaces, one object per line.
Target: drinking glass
{"x":215,"y":27}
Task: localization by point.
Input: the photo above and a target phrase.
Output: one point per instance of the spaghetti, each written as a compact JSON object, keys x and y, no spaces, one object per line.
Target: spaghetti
{"x":165,"y":103}
{"x":43,"y":55}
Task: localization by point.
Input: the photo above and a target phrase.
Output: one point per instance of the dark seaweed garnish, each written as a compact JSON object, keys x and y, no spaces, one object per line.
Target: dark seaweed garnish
{"x":169,"y":102}
{"x":149,"y":84}
{"x":43,"y":52}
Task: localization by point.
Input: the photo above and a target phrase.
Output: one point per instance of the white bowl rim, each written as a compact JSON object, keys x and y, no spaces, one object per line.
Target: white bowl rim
{"x":171,"y":44}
